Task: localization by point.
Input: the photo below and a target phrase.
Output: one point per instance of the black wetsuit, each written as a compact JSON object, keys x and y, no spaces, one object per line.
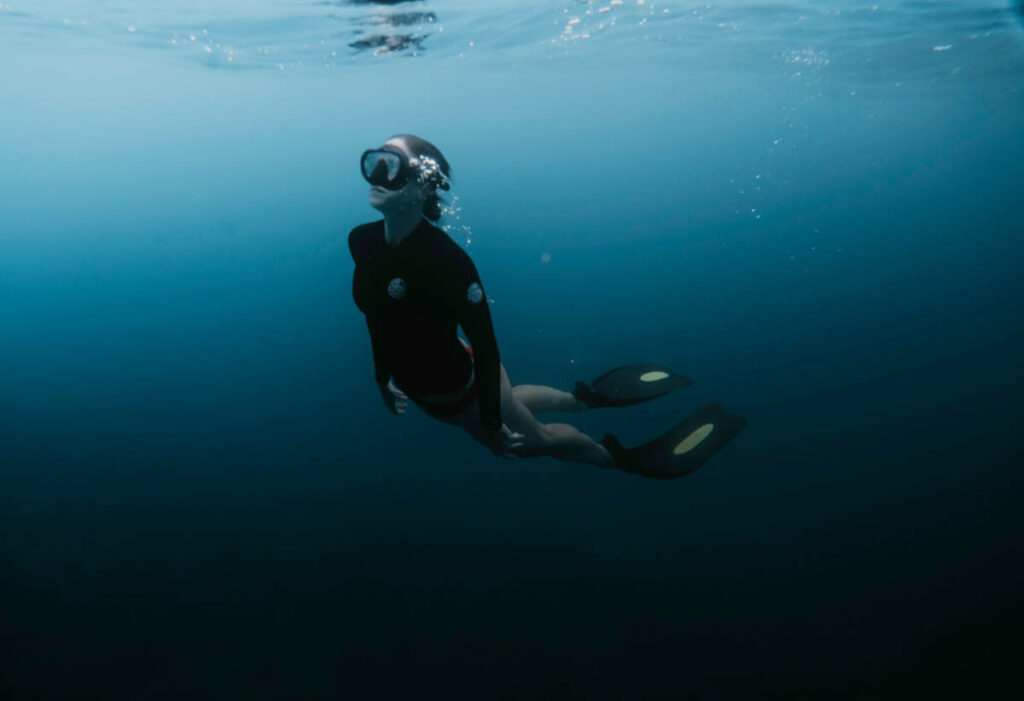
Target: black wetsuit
{"x":414,"y":296}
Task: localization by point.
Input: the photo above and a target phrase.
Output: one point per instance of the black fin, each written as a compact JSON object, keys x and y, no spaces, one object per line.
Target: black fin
{"x":628,"y":385}
{"x":682,"y":449}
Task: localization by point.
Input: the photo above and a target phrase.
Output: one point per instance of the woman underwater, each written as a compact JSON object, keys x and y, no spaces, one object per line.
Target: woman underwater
{"x":417,"y":287}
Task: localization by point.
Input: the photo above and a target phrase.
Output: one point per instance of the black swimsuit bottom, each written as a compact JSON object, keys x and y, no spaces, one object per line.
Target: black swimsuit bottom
{"x":448,"y":409}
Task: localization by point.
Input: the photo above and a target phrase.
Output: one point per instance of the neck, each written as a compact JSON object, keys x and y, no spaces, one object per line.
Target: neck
{"x":400,"y":223}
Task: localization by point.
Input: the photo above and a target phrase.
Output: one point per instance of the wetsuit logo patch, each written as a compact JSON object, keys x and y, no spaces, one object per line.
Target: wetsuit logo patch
{"x":396,"y":288}
{"x":474,"y":293}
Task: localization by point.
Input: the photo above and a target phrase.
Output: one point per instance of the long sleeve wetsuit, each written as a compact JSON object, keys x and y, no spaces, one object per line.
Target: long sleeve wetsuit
{"x":414,"y":296}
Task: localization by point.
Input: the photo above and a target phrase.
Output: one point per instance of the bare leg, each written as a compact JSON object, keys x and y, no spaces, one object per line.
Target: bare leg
{"x":540,"y":399}
{"x":560,"y":441}
{"x":567,"y":443}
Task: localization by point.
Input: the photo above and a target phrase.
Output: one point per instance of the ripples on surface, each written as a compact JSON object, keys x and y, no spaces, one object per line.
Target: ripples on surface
{"x":860,"y":41}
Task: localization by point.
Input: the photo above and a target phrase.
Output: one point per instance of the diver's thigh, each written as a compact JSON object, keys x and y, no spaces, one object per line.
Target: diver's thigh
{"x":520,"y":419}
{"x":513,"y":413}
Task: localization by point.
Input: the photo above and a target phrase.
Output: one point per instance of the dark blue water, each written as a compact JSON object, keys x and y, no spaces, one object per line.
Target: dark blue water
{"x":814,"y":213}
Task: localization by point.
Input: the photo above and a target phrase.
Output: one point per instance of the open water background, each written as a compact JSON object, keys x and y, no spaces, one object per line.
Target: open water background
{"x":812,"y":209}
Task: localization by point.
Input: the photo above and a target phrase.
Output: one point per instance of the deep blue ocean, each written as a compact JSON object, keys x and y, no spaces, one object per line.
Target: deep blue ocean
{"x":813,"y":209}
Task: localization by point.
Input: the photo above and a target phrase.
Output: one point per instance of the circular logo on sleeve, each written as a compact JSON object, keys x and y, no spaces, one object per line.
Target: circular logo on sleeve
{"x":396,"y":288}
{"x":474,"y":293}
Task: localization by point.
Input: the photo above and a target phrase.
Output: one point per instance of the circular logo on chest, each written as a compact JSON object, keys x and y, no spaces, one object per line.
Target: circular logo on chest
{"x":474,"y":293}
{"x":396,"y":288}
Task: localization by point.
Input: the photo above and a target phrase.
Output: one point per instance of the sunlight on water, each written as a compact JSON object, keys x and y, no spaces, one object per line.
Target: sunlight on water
{"x":857,"y":40}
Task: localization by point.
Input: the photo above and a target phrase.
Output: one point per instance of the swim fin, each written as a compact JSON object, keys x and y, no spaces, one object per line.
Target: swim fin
{"x":629,"y":384}
{"x":683,"y":449}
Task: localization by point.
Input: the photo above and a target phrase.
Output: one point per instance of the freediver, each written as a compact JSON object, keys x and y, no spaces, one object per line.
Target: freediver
{"x":417,"y":287}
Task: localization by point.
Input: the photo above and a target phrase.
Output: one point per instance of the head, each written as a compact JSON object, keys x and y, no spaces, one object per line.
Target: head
{"x":425,"y":172}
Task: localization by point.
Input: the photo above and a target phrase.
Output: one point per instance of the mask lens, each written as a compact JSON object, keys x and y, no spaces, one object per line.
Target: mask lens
{"x":382,"y":168}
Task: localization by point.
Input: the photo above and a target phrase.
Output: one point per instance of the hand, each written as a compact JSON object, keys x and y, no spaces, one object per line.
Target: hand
{"x":395,"y":400}
{"x":503,"y":442}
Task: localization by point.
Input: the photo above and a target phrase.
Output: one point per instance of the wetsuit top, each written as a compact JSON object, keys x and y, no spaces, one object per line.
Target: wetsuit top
{"x":414,"y":296}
